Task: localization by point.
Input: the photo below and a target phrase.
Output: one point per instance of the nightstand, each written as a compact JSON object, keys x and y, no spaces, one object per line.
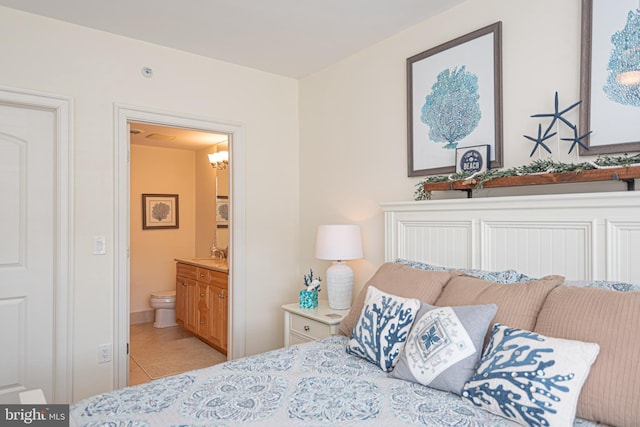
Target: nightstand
{"x":308,"y":324}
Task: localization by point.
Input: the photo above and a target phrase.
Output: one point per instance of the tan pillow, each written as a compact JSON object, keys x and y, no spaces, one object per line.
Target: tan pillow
{"x":611,"y":394}
{"x":518,"y":303}
{"x":400,"y":280}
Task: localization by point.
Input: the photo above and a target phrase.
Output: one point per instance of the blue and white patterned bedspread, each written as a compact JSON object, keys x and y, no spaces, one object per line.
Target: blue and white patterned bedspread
{"x":312,"y":384}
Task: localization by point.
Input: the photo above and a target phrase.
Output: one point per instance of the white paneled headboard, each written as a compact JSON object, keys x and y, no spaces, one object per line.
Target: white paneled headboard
{"x":593,"y":236}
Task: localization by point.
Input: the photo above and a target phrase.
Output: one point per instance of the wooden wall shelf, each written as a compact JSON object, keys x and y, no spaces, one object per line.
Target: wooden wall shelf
{"x":626,"y":174}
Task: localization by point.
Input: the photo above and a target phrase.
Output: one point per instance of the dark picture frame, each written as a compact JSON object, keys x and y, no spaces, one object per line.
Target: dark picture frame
{"x":222,"y":212}
{"x":160,"y":211}
{"x":476,"y":116}
{"x":614,"y":125}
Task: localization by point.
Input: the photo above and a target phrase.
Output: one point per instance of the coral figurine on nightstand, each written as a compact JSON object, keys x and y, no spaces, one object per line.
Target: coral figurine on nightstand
{"x":309,"y":295}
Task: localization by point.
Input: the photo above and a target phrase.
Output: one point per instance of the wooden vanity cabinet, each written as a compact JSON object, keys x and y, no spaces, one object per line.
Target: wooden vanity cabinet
{"x":218,"y":314}
{"x":201,"y":303}
{"x":186,"y":303}
{"x":185,"y":291}
{"x":202,"y":311}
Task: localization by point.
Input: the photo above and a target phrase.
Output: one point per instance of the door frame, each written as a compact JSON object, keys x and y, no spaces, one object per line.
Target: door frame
{"x":123,"y":114}
{"x":63,"y":307}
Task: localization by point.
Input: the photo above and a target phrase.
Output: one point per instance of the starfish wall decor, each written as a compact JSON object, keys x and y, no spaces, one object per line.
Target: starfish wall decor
{"x":540,"y":140}
{"x":557,"y":117}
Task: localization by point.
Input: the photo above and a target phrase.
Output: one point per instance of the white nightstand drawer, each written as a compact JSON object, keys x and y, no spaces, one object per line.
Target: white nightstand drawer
{"x":298,"y":339}
{"x":309,"y":324}
{"x":309,"y":327}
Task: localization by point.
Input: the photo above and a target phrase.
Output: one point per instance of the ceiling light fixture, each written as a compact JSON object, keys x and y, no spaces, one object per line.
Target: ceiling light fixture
{"x":160,"y":137}
{"x":219,"y":160}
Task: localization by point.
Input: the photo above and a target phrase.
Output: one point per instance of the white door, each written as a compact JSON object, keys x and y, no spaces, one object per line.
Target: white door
{"x":28,"y":215}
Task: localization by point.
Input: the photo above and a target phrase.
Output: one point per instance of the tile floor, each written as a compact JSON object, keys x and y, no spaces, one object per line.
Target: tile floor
{"x":144,"y":335}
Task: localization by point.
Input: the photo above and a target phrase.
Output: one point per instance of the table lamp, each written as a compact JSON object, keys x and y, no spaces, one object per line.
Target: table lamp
{"x":339,"y":243}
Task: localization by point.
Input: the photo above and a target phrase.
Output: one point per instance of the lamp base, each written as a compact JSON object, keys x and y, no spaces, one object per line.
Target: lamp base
{"x":339,"y":285}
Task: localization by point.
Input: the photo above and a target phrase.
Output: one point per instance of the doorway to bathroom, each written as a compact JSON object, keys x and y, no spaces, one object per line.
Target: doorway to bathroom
{"x":128,"y":222}
{"x":171,"y":167}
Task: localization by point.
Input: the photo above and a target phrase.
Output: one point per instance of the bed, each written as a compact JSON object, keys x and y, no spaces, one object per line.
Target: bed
{"x":309,"y":384}
{"x":586,"y":238}
{"x":314,"y":383}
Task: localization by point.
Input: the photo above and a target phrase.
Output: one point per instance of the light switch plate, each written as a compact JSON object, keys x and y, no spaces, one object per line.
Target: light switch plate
{"x":99,"y":245}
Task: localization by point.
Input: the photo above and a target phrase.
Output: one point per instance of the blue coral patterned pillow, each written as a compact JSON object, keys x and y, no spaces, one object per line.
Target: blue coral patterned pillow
{"x":604,"y":284}
{"x":382,"y":328}
{"x":529,"y":378}
{"x":444,"y":345}
{"x":504,"y":277}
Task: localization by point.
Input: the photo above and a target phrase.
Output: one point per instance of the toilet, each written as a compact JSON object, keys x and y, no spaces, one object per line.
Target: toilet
{"x":165,"y":305}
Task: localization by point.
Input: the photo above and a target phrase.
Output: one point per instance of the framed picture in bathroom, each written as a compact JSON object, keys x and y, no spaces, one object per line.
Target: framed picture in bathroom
{"x":160,"y":211}
{"x":222,"y":211}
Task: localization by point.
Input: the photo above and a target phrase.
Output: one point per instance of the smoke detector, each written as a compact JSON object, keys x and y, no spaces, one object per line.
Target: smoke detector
{"x":160,"y":137}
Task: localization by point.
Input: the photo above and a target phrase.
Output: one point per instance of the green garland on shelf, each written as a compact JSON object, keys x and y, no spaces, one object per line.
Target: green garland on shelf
{"x":535,"y":167}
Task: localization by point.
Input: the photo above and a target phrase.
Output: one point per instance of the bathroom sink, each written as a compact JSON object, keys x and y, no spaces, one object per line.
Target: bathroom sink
{"x":210,"y":262}
{"x":214,"y":261}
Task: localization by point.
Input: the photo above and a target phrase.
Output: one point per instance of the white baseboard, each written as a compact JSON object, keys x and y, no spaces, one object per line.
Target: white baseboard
{"x":144,"y":316}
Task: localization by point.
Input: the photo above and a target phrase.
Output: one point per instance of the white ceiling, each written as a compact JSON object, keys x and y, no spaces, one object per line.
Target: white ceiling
{"x":167,"y":137}
{"x":293,"y":38}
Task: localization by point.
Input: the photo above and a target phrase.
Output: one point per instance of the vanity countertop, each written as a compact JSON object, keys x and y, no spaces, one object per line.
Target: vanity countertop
{"x":208,"y":263}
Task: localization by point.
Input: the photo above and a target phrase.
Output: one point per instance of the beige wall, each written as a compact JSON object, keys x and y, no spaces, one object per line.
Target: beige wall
{"x":210,"y":182}
{"x":99,"y":70}
{"x":353,"y":153}
{"x":222,"y":188}
{"x":152,"y":267}
{"x":205,"y":230}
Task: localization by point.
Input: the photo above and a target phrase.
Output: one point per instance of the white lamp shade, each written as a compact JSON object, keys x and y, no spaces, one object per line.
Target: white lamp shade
{"x":338,"y":242}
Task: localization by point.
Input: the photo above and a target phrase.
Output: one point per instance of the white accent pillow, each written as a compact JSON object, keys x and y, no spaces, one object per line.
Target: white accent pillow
{"x":529,"y":378}
{"x":382,"y":328}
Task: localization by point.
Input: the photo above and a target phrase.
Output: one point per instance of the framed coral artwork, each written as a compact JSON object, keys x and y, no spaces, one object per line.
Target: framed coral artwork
{"x":610,"y":76}
{"x":222,"y":212}
{"x":454,"y":100}
{"x":160,"y":211}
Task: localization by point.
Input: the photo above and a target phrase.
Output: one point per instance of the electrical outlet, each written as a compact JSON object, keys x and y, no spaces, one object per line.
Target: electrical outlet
{"x":104,"y":353}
